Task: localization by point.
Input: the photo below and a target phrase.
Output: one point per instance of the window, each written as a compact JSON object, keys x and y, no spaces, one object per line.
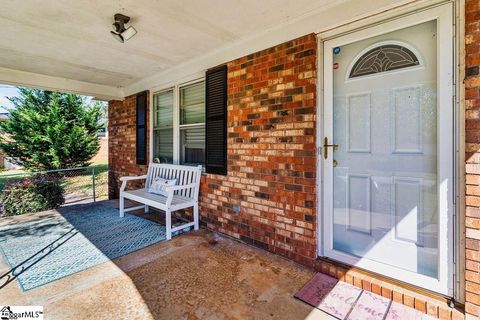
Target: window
{"x":163,"y":127}
{"x":384,"y":58}
{"x":192,"y":124}
{"x":179,"y":124}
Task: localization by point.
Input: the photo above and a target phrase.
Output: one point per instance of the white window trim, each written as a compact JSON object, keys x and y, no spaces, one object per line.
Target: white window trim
{"x":176,"y":118}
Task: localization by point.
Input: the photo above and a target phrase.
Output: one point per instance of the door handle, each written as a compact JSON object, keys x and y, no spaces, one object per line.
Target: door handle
{"x":326,"y":146}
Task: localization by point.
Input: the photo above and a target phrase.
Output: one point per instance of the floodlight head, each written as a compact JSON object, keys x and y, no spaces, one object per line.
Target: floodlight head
{"x":120,"y":33}
{"x":117,"y":36}
{"x":130,"y":32}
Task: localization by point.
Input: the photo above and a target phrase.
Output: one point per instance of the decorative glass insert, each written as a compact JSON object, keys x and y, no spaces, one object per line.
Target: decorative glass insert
{"x":384,"y":58}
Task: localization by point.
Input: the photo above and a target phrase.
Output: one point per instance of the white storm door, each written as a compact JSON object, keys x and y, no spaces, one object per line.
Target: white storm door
{"x":388,"y":187}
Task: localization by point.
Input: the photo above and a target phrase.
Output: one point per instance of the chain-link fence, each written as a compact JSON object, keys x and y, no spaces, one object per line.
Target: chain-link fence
{"x":80,"y":185}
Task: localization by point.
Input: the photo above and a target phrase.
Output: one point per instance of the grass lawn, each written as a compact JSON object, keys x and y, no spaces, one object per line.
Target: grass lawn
{"x":79,"y":185}
{"x":11,"y":175}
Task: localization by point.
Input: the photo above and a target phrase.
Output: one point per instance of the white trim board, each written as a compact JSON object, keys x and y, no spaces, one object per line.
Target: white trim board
{"x":460,"y":150}
{"x":35,"y":80}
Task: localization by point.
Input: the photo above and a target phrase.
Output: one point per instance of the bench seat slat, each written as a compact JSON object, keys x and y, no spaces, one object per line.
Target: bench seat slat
{"x":142,"y":193}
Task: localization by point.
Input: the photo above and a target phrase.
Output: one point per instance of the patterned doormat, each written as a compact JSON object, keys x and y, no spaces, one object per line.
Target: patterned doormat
{"x":344,"y":301}
{"x":46,"y":250}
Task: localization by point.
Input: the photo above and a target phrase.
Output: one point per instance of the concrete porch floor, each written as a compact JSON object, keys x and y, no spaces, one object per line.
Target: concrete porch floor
{"x":199,"y":275}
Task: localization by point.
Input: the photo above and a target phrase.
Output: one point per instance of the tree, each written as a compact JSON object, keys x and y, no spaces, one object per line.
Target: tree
{"x":50,"y":130}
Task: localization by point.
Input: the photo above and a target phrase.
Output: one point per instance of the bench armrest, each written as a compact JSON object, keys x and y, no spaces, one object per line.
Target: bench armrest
{"x":130,"y":178}
{"x":172,"y":189}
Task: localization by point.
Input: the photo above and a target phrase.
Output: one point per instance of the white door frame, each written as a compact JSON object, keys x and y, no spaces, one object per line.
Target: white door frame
{"x":444,"y":16}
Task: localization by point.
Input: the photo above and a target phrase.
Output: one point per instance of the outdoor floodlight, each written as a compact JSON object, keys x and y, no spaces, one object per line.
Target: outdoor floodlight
{"x":121,"y":33}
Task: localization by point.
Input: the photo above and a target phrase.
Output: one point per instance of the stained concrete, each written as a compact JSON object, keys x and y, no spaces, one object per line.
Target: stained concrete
{"x":199,"y":275}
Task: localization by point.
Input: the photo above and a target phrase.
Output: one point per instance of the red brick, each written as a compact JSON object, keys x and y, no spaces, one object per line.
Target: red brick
{"x":386,"y":292}
{"x":420,"y":305}
{"x":357,"y":282}
{"x":366,"y":285}
{"x":444,"y":313}
{"x":408,"y":300}
{"x":473,"y":297}
{"x":432,"y":309}
{"x":397,"y":297}
{"x":472,"y":265}
{"x":472,"y":276}
{"x":472,"y":309}
{"x":458,"y":315}
{"x":376,"y":288}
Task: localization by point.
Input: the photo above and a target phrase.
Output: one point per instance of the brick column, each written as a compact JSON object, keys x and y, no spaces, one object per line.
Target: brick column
{"x":472,"y":148}
{"x":121,"y":143}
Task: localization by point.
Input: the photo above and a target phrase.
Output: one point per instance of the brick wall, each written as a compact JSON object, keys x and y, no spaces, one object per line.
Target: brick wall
{"x":472,"y":146}
{"x":271,"y":153}
{"x":121,"y":143}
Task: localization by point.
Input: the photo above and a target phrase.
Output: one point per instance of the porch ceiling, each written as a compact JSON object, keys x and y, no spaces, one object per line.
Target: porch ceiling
{"x":66,"y":45}
{"x":70,"y":39}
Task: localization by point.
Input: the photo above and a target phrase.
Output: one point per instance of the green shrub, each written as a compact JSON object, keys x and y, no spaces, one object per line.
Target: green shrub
{"x":33,"y":194}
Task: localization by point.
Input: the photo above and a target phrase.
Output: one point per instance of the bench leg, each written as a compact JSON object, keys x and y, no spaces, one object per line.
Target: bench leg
{"x":195,"y":215}
{"x":147,"y":209}
{"x":168,"y":222}
{"x":122,"y":206}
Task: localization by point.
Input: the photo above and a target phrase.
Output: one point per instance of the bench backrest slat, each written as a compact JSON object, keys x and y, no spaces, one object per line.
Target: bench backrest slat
{"x":182,"y":181}
{"x":184,"y":175}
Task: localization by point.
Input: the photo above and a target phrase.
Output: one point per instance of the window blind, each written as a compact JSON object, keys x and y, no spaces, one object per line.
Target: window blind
{"x":192,"y":103}
{"x":193,"y":145}
{"x":163,"y":127}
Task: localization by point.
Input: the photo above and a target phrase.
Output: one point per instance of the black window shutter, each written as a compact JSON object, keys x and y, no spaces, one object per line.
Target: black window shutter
{"x":141,"y":128}
{"x":216,"y":120}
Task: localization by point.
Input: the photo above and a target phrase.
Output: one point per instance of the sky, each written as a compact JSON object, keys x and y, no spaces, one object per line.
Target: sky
{"x":6,"y":91}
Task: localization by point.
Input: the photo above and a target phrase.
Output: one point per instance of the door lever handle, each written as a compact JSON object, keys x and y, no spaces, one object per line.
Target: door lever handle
{"x":326,"y":146}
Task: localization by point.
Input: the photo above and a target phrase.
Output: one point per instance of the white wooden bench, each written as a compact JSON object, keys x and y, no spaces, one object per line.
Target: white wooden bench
{"x":183,"y":195}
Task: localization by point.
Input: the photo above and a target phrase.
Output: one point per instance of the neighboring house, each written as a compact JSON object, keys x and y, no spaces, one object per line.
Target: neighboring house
{"x":343,"y":135}
{"x":104,"y":131}
{"x":102,"y":155}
